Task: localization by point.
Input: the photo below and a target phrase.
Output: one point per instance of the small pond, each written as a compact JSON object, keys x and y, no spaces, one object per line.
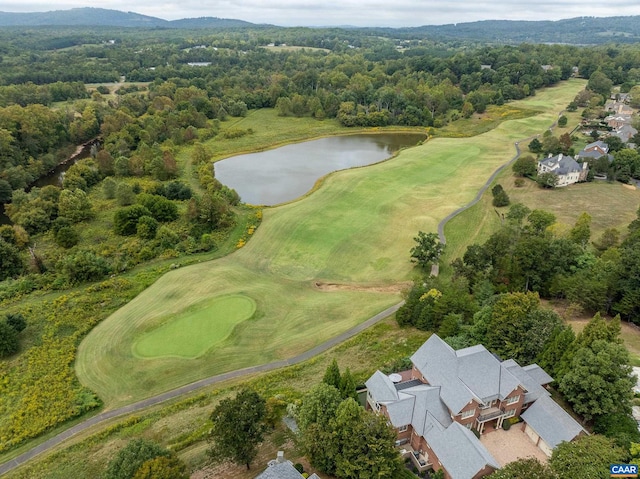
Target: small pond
{"x":286,"y":173}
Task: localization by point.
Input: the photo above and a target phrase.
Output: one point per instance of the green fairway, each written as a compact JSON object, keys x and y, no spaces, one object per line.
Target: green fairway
{"x":191,"y":333}
{"x":355,"y":231}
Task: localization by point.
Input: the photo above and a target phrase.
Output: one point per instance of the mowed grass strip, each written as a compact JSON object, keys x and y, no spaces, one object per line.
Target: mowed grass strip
{"x":191,"y":333}
{"x":356,"y":229}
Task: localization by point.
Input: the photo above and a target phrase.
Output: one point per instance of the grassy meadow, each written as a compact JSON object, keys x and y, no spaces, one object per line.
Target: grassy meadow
{"x":355,"y":230}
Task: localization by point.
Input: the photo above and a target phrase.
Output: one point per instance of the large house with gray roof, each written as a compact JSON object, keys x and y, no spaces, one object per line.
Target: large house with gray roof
{"x":567,"y":169}
{"x":435,"y":406}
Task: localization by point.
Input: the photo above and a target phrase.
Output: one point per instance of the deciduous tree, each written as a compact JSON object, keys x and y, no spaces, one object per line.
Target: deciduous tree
{"x":587,"y":457}
{"x":130,"y":459}
{"x":427,"y":250}
{"x":528,"y":468}
{"x":238,"y":428}
{"x":599,"y":381}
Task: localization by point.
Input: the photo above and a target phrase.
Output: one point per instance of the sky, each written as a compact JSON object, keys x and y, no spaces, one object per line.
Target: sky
{"x":387,"y":13}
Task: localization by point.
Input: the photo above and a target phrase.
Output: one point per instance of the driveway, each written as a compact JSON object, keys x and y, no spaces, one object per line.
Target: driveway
{"x":511,"y":445}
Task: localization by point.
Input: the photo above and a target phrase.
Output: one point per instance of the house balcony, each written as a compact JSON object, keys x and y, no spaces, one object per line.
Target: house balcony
{"x":489,"y":414}
{"x":419,"y":460}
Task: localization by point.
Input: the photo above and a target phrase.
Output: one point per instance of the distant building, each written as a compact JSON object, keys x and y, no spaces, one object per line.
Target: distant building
{"x":567,"y":169}
{"x":594,"y":150}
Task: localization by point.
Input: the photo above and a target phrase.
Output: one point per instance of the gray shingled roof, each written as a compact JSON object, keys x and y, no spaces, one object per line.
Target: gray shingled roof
{"x":458,"y":450}
{"x":401,"y":412}
{"x":600,"y":144}
{"x":470,"y":373}
{"x":428,"y":403}
{"x":590,"y":154}
{"x":530,"y":383}
{"x":539,"y":374}
{"x":381,"y":388}
{"x":552,"y":423}
{"x":481,"y":372}
{"x":625,"y":133}
{"x":438,"y":363}
{"x":561,"y":164}
{"x":283,"y":470}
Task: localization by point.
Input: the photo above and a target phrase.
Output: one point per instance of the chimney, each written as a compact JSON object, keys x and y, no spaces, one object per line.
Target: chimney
{"x":280,"y":457}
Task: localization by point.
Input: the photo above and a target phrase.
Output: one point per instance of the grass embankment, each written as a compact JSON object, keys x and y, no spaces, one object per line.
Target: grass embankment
{"x":183,"y":426}
{"x":355,"y":230}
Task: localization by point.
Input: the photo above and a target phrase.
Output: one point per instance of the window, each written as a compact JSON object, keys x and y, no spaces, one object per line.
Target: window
{"x":468,"y":414}
{"x":510,"y":413}
{"x":488,"y":405}
{"x":513,"y":400}
{"x":402,"y":428}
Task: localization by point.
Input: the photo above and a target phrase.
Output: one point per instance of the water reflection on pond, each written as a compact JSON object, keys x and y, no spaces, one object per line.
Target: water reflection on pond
{"x":284,"y":174}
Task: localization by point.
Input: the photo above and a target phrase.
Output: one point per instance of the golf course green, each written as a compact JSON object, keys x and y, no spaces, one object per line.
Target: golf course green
{"x":191,"y":333}
{"x":354,"y":232}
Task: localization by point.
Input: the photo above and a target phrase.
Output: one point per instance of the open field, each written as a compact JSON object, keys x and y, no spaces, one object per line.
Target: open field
{"x":357,"y":229}
{"x":611,"y":205}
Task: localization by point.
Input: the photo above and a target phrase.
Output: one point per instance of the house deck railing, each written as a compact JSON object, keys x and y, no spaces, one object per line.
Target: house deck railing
{"x":489,"y":414}
{"x":419,"y":460}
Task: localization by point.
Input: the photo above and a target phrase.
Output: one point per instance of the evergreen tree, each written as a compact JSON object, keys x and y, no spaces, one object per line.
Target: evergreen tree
{"x":17,"y":322}
{"x":348,"y":386}
{"x":332,"y":375}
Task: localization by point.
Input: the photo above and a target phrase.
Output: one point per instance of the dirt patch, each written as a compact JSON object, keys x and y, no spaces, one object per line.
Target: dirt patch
{"x":393,"y":288}
{"x":629,"y":187}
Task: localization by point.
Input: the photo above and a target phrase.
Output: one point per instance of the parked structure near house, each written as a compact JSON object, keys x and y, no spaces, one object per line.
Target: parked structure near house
{"x":447,"y":393}
{"x":567,"y":169}
{"x":280,"y":468}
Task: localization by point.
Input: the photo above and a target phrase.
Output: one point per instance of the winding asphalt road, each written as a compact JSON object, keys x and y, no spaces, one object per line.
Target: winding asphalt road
{"x":189,"y":388}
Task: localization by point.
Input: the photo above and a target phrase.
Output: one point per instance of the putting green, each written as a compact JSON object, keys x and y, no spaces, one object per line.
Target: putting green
{"x":196,"y":330}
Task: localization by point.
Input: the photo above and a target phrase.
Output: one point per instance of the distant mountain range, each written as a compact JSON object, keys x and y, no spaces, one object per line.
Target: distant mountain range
{"x":89,"y":16}
{"x":581,"y":30}
{"x":585,"y":30}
